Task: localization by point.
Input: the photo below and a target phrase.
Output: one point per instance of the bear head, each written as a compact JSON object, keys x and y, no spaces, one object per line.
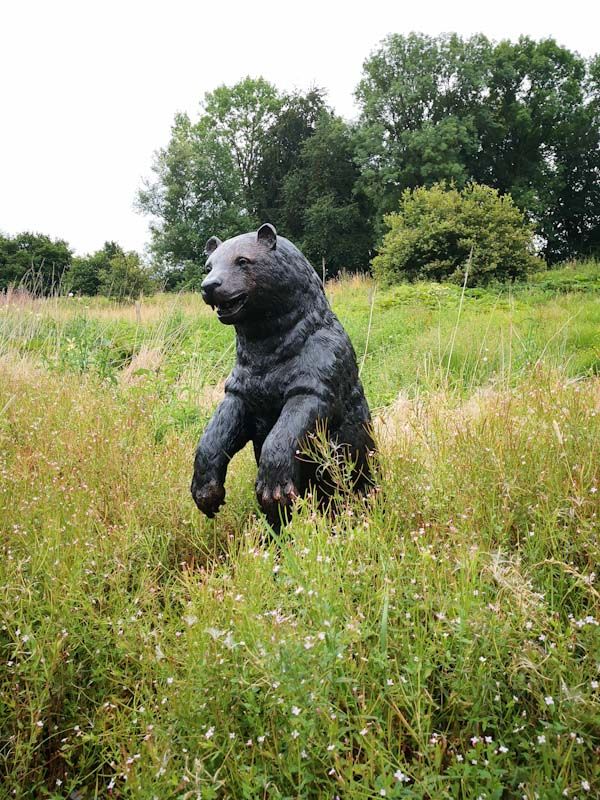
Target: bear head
{"x":256,"y":277}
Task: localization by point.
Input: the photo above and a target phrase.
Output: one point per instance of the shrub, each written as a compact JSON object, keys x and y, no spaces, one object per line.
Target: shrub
{"x":437,"y":229}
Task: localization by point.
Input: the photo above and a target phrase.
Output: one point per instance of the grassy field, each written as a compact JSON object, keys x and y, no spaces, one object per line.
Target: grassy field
{"x":441,"y":640}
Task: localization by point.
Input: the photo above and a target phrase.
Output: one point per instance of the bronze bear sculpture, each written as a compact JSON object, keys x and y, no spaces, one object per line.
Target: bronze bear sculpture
{"x":295,"y":368}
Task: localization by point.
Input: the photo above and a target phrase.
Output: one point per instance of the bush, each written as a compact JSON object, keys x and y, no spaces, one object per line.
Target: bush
{"x":437,"y":229}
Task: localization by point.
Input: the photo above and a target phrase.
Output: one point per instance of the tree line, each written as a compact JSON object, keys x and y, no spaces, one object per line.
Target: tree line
{"x":520,"y":117}
{"x":42,"y":265}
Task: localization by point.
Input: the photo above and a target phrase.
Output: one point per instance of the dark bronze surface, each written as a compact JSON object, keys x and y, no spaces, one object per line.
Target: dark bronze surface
{"x":295,"y":367}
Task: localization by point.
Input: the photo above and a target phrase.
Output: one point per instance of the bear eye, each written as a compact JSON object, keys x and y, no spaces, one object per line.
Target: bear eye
{"x":242,"y":262}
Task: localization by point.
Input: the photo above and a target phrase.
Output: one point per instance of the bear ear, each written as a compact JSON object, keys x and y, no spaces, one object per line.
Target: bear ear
{"x":267,"y":235}
{"x":211,"y":245}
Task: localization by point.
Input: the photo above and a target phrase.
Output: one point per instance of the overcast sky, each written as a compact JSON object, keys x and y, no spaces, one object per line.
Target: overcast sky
{"x":89,"y":89}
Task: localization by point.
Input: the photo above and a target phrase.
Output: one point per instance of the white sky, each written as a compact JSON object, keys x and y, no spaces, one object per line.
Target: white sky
{"x":89,"y":88}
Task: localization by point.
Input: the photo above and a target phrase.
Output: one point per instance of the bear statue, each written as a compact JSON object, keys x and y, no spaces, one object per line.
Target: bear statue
{"x":295,"y":369}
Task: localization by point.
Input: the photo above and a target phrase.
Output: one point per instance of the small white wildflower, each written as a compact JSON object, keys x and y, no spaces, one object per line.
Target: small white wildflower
{"x":364,"y":731}
{"x":585,"y":785}
{"x":296,"y":711}
{"x":503,"y":749}
{"x":209,"y":733}
{"x":330,"y":747}
{"x":541,"y":739}
{"x":390,"y":682}
{"x":400,"y":776}
{"x":382,"y":792}
{"x":261,"y":739}
{"x":594,"y":684}
{"x":39,"y":723}
{"x":295,"y":734}
{"x":549,"y":700}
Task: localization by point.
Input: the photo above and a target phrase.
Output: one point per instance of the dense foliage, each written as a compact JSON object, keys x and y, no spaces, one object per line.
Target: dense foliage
{"x":34,"y":261}
{"x":38,"y":265}
{"x":86,"y":273}
{"x":522,"y":117}
{"x":257,"y":155}
{"x":446,"y":234}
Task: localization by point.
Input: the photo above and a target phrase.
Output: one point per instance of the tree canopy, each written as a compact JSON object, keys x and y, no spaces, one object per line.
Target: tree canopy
{"x":250,"y":158}
{"x":34,"y":261}
{"x":522,"y":117}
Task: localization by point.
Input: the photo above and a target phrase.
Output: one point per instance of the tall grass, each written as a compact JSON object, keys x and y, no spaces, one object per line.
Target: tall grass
{"x":439,"y":640}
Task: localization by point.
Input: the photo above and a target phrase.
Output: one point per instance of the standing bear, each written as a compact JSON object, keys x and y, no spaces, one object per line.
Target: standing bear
{"x":295,"y":369}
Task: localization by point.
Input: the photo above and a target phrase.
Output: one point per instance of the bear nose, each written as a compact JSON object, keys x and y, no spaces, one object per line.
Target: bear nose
{"x":208,"y":287}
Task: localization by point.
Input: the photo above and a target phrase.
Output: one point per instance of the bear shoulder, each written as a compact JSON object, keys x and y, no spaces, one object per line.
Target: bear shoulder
{"x":325,"y":363}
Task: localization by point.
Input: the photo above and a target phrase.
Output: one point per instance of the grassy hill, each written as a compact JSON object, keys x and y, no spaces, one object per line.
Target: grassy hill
{"x":441,"y":640}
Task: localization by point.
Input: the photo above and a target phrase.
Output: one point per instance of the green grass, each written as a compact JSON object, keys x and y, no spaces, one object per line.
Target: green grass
{"x":439,"y":641}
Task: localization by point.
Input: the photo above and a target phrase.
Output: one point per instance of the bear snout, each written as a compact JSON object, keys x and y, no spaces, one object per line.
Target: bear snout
{"x":208,"y":288}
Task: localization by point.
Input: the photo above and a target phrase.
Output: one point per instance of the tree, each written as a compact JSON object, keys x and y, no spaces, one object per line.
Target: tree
{"x":85,"y":274}
{"x":34,"y":261}
{"x":205,"y":178}
{"x":323,"y":209}
{"x":420,"y":97}
{"x":522,"y":117}
{"x":240,"y":117}
{"x":441,"y":232}
{"x":125,"y":277}
{"x":197,"y":192}
{"x":295,"y":122}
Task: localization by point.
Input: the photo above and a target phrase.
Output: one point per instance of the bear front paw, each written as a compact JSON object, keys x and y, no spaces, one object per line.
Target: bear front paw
{"x":209,"y":496}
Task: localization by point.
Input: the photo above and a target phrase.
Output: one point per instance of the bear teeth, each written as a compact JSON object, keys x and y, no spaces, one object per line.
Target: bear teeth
{"x":231,"y":304}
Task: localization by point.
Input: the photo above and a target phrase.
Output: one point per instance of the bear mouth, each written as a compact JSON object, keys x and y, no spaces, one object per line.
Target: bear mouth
{"x":231,"y":307}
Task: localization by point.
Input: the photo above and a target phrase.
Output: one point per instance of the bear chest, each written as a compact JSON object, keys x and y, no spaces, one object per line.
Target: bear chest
{"x":263,"y":393}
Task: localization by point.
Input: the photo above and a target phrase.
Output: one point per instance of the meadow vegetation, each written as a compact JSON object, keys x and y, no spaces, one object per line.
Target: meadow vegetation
{"x":438,"y":640}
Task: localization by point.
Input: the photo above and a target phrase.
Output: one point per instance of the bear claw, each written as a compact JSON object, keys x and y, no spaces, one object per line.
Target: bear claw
{"x":279,"y":495}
